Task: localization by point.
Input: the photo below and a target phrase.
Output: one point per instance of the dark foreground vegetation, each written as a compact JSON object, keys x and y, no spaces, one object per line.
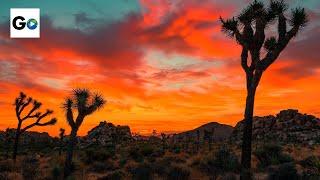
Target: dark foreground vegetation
{"x":149,"y":159}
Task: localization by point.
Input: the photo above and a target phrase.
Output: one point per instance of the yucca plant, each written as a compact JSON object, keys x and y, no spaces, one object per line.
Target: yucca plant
{"x":85,"y":103}
{"x":248,"y":29}
{"x":20,"y":104}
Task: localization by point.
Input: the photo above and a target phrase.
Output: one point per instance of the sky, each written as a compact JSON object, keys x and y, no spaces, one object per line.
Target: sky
{"x":161,"y":65}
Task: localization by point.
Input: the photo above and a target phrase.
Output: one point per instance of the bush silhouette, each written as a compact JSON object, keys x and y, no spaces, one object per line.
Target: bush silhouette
{"x":142,"y":172}
{"x":30,"y":167}
{"x":284,"y":171}
{"x":178,"y":173}
{"x":220,"y":162}
{"x":271,"y":154}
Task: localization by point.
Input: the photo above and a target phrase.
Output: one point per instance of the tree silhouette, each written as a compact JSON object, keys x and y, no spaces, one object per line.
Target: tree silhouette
{"x":249,"y":31}
{"x":164,"y":140}
{"x":85,"y":103}
{"x":21,"y":103}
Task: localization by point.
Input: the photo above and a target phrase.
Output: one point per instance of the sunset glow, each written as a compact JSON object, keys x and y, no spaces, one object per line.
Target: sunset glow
{"x":161,"y":65}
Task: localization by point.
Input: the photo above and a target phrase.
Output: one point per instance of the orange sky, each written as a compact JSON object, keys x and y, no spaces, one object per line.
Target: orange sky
{"x":168,"y":67}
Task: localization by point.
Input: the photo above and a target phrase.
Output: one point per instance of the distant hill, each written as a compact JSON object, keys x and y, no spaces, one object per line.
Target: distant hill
{"x":288,"y":126}
{"x":221,"y":132}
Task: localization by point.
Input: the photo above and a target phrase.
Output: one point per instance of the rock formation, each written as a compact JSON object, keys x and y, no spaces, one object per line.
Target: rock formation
{"x":106,"y":133}
{"x":288,"y":126}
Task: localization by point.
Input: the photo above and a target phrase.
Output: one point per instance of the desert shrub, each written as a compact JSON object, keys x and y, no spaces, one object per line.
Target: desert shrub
{"x":146,"y":149}
{"x":178,"y":173}
{"x":229,"y":176}
{"x":6,"y":166}
{"x":56,"y":172}
{"x":122,"y":162}
{"x":116,"y":175}
{"x":312,"y":167}
{"x":4,"y":176}
{"x":161,"y":167}
{"x":135,"y":154}
{"x":271,"y":154}
{"x":92,"y":155}
{"x":311,"y":161}
{"x":71,"y":178}
{"x":142,"y":172}
{"x":220,"y":162}
{"x":176,"y":149}
{"x":30,"y":167}
{"x":100,"y":167}
{"x":283,"y":172}
{"x":176,"y":159}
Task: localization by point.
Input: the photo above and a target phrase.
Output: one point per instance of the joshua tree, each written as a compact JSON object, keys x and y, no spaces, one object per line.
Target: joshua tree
{"x":85,"y":103}
{"x":61,"y":136}
{"x":164,"y":140}
{"x":249,"y":31}
{"x":21,"y":103}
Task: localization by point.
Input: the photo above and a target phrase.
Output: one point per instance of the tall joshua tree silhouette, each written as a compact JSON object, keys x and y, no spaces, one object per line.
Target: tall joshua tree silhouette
{"x":85,"y":103}
{"x":21,"y":103}
{"x":248,"y":29}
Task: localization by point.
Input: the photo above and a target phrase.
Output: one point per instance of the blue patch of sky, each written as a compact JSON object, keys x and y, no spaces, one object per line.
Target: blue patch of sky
{"x":62,"y":12}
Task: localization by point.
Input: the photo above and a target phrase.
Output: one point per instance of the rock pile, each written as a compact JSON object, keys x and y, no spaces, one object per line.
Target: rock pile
{"x":106,"y":133}
{"x":288,"y":126}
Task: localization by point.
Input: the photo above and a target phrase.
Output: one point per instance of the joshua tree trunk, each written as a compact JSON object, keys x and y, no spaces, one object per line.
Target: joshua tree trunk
{"x":15,"y":147}
{"x":71,"y":144}
{"x":247,"y":131}
{"x":16,"y":142}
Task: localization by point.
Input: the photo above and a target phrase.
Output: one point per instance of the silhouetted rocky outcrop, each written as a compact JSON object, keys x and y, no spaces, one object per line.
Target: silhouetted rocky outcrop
{"x":29,"y":136}
{"x":288,"y":126}
{"x":106,"y":133}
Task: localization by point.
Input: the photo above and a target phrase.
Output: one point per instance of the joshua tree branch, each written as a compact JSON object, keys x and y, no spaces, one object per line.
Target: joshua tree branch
{"x":273,"y":55}
{"x":282,"y":26}
{"x":51,"y":122}
{"x":259,"y":35}
{"x":244,"y":59}
{"x":36,"y":106}
{"x":23,"y":105}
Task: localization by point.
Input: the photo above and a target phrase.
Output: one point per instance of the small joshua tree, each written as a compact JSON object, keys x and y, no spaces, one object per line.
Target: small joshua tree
{"x":85,"y":103}
{"x":164,"y":140}
{"x":21,"y":103}
{"x":61,"y":136}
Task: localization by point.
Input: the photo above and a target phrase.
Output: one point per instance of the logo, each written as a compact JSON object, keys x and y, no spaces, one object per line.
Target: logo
{"x":32,"y":24}
{"x":25,"y":23}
